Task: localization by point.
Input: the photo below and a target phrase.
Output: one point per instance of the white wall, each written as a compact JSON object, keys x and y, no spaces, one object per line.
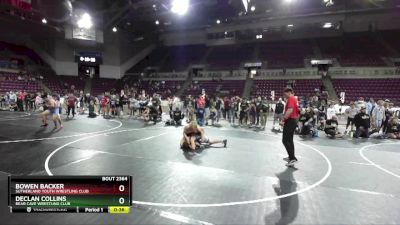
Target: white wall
{"x":107,"y":71}
{"x":66,"y":68}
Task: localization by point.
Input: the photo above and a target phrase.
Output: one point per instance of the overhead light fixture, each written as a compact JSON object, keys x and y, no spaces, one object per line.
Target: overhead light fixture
{"x":290,"y":25}
{"x":85,"y":21}
{"x":245,"y":5}
{"x":114,"y":29}
{"x":327,"y":25}
{"x":157,"y":22}
{"x":44,"y":21}
{"x":218,"y":21}
{"x":259,"y":36}
{"x":253,"y":8}
{"x":154,"y":6}
{"x":180,"y":7}
{"x":329,"y":3}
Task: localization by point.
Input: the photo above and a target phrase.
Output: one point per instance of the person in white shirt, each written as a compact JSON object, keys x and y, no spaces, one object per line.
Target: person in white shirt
{"x":370,"y":106}
{"x":378,"y":116}
{"x":351,"y":113}
{"x":330,"y":112}
{"x":360,"y":103}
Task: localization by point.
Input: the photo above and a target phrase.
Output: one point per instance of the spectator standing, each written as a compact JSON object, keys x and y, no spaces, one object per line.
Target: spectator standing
{"x":71,"y":104}
{"x":227,"y":104}
{"x":279,"y":107}
{"x":351,"y":113}
{"x":20,"y":101}
{"x":371,"y":106}
{"x":330,"y":111}
{"x":264,"y":111}
{"x":378,"y":116}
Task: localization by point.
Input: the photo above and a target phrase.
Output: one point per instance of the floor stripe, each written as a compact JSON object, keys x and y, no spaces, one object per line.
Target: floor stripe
{"x":64,"y":137}
{"x":173,"y":216}
{"x":358,"y":163}
{"x":374,"y":164}
{"x":201,"y":205}
{"x":46,"y":164}
{"x":367,"y":192}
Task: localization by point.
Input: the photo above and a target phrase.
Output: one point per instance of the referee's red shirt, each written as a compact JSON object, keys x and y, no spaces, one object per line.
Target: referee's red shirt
{"x":292,"y":103}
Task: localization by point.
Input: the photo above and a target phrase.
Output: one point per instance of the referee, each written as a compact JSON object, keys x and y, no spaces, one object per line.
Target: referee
{"x":289,"y":124}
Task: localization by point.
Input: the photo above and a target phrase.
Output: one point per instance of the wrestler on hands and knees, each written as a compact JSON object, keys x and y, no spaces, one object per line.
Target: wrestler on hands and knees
{"x":194,"y":137}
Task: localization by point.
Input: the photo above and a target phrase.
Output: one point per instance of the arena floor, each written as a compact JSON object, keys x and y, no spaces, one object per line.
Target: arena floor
{"x":336,"y":181}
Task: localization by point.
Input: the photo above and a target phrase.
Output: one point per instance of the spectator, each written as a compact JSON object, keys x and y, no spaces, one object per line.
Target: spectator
{"x":361,"y":103}
{"x":330,"y":111}
{"x":20,"y":100}
{"x":264,"y":111}
{"x":393,"y":129}
{"x":362,"y":121}
{"x":351,"y":113}
{"x":71,"y":104}
{"x":378,"y":116}
{"x":388,"y":115}
{"x":370,"y":106}
{"x":279,"y":107}
{"x":331,"y":127}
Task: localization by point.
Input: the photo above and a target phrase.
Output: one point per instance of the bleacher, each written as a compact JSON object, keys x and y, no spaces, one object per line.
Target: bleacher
{"x":370,"y":88}
{"x":233,"y":87}
{"x":9,"y":82}
{"x":301,"y":87}
{"x":101,"y":85}
{"x":360,"y":50}
{"x":285,"y":54}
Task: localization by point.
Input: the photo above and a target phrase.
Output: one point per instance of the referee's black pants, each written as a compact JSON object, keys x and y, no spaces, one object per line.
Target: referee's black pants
{"x":287,"y":137}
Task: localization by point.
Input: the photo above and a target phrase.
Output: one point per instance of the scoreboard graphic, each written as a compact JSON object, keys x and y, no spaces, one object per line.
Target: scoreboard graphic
{"x":70,"y":194}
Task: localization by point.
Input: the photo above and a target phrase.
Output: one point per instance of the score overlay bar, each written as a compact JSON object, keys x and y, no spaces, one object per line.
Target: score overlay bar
{"x":86,"y":194}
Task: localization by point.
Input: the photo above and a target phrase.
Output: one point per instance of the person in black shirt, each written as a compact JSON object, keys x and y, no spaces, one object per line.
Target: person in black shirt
{"x":244,"y":108}
{"x":258,"y":110}
{"x":362,"y":122}
{"x":388,"y":116}
{"x":176,"y":117}
{"x":252,"y":113}
{"x":305,"y":122}
{"x":279,"y":107}
{"x":331,"y":127}
{"x":218,"y":107}
{"x":393,"y":129}
{"x":264,"y":111}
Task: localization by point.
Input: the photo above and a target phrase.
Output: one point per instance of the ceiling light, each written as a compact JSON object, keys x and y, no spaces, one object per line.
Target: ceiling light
{"x":253,"y":8}
{"x":180,"y":7}
{"x":327,"y":25}
{"x":218,"y":21}
{"x":157,"y":22}
{"x":290,"y":25}
{"x":44,"y":20}
{"x":114,"y":29}
{"x":85,"y":21}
